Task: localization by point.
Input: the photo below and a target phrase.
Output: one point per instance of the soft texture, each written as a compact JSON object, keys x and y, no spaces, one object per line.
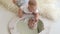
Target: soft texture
{"x":20,"y":26}
{"x":49,"y":8}
{"x":8,"y":4}
{"x":7,"y":17}
{"x":50,"y":14}
{"x":10,"y":7}
{"x":22,"y":2}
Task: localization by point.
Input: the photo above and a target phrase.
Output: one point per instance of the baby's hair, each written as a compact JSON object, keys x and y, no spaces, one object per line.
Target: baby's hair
{"x":32,"y":2}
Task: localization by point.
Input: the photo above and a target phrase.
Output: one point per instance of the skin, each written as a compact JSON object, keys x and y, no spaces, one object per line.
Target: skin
{"x":32,"y":5}
{"x":20,"y":12}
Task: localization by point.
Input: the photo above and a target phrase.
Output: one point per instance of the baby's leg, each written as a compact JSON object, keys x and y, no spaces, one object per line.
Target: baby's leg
{"x":20,"y":12}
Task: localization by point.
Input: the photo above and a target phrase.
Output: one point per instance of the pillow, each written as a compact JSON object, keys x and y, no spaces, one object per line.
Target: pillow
{"x":8,"y":4}
{"x":49,"y":8}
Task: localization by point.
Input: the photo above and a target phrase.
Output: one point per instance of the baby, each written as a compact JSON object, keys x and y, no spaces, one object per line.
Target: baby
{"x":31,"y":7}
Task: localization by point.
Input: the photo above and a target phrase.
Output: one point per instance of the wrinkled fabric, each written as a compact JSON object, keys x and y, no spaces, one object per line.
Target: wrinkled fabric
{"x":20,"y":26}
{"x":22,"y":2}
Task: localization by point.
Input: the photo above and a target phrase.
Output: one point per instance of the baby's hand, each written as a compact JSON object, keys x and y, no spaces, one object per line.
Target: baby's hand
{"x":32,"y":24}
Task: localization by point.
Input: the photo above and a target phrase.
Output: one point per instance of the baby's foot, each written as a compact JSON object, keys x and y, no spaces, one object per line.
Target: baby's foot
{"x":32,"y":24}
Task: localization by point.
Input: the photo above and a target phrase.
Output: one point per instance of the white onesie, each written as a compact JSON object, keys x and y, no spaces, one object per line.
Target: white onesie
{"x":22,"y":2}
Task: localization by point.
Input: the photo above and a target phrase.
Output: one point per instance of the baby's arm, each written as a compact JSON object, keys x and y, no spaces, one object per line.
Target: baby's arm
{"x":19,"y":12}
{"x":36,"y":16}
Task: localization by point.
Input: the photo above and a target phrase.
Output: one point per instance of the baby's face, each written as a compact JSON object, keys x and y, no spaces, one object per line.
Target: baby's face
{"x":32,"y":8}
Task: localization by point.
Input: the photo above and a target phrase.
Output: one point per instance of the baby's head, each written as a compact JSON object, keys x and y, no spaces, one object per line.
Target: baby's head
{"x":32,"y":5}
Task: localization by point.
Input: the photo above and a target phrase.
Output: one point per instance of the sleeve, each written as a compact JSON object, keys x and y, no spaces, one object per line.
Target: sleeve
{"x":24,"y":8}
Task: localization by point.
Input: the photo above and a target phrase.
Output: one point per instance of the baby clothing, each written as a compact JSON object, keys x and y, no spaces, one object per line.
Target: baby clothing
{"x":22,"y":2}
